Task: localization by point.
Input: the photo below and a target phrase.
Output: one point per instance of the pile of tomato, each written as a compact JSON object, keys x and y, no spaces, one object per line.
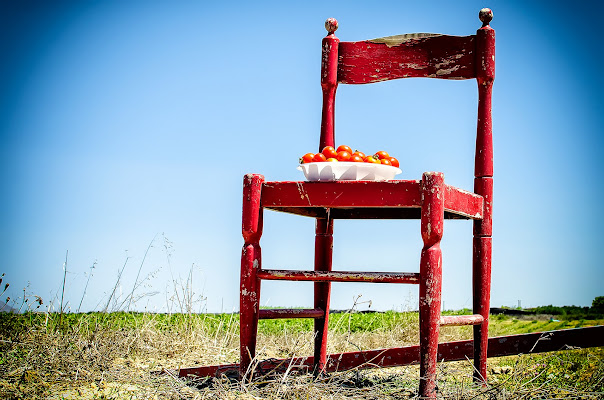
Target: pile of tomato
{"x":345,"y":153}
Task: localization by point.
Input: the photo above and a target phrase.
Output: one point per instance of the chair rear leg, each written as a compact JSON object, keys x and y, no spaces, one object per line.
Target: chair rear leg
{"x":251,"y":257}
{"x":481,"y":275}
{"x":481,"y":272}
{"x":432,"y":224}
{"x":323,"y":262}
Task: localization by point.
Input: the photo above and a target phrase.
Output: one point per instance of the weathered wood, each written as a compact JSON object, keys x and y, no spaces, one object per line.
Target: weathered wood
{"x":329,"y":83}
{"x":529,"y":343}
{"x":421,"y":55}
{"x":416,"y":55}
{"x":249,"y":298}
{"x":341,"y":194}
{"x":459,"y":320}
{"x":481,"y":288}
{"x":485,"y":75}
{"x":347,"y":199}
{"x":430,"y":270}
{"x":282,"y":313}
{"x":365,"y":213}
{"x":483,"y":186}
{"x":340,"y":276}
{"x":251,"y":226}
{"x":323,"y":263}
{"x":463,"y":203}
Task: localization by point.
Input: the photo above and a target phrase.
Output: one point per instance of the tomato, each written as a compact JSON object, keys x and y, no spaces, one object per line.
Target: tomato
{"x":344,"y":148}
{"x":319,"y":157}
{"x":306,"y":158}
{"x":343,"y":155}
{"x":382,"y":155}
{"x":329,"y":152}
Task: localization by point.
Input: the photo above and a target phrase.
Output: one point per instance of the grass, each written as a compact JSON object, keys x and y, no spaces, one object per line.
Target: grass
{"x":112,"y":355}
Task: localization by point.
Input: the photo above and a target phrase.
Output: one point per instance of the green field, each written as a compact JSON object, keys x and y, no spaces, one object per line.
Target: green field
{"x":112,"y":356}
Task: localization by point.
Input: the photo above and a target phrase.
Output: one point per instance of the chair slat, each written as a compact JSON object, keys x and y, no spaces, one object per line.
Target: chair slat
{"x":458,"y":320}
{"x":407,"y":56}
{"x":340,"y":276}
{"x":283,"y":313}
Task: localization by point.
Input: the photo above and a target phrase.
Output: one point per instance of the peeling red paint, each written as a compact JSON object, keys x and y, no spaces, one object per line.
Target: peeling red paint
{"x":459,"y":320}
{"x":405,"y":56}
{"x":250,"y":264}
{"x":400,"y":356}
{"x":340,"y":276}
{"x":291,"y":313}
{"x":430,"y":200}
{"x":433,"y":191}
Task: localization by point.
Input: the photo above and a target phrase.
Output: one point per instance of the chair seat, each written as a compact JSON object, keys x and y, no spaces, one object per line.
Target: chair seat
{"x":395,"y":199}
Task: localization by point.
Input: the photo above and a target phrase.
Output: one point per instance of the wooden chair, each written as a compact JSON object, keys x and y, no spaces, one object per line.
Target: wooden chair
{"x":429,"y":199}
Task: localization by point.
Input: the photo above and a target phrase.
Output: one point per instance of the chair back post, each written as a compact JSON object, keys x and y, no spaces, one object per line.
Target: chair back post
{"x":483,"y":185}
{"x":329,"y":83}
{"x":485,"y":74}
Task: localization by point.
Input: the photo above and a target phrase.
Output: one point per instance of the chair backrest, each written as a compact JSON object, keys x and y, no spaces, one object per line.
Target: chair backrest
{"x":423,"y":55}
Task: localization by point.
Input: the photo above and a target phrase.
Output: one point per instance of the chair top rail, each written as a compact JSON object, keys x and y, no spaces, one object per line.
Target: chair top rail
{"x":419,"y":55}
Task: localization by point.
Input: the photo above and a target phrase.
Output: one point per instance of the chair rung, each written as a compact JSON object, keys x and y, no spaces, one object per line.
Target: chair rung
{"x":457,"y":320}
{"x":339,"y":276}
{"x":291,"y":313}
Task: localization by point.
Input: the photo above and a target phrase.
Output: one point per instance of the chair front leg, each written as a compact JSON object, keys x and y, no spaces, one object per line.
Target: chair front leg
{"x":249,"y":297}
{"x":432,"y":224}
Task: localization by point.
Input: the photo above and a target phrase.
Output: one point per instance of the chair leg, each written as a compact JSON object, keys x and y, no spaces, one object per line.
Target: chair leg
{"x":481,"y":278}
{"x":249,"y":299}
{"x":323,"y":262}
{"x":432,"y":224}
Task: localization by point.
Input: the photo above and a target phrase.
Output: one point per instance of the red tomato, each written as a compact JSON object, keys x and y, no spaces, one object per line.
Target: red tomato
{"x":319,"y":157}
{"x":371,"y":160}
{"x":329,"y":152}
{"x":343,"y":156}
{"x":385,"y":161}
{"x":394,"y":162}
{"x":331,"y":159}
{"x":359,"y":153}
{"x":382,"y":154}
{"x":306,"y":158}
{"x":344,"y":148}
{"x":356,"y":158}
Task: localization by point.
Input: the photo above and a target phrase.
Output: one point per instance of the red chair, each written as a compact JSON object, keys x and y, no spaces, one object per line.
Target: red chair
{"x":429,"y":199}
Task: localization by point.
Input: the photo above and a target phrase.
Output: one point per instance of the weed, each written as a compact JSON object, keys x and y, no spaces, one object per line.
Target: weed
{"x":111,"y":355}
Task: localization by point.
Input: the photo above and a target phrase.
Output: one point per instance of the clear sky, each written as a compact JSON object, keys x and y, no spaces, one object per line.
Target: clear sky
{"x":128,"y":126}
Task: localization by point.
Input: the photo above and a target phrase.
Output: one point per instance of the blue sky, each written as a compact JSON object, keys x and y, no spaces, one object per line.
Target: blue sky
{"x":129,"y":125}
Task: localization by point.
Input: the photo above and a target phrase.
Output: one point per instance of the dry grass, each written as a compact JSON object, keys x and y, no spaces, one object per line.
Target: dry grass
{"x":111,"y":356}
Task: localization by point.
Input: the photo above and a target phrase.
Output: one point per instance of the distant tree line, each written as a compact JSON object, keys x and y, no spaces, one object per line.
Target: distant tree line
{"x":596,"y":311}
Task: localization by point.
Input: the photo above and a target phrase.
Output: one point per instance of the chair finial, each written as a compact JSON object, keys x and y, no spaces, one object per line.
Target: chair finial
{"x":331,"y":24}
{"x":485,"y":15}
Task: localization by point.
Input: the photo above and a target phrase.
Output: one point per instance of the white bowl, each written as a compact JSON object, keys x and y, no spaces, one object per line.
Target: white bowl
{"x":348,"y":171}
